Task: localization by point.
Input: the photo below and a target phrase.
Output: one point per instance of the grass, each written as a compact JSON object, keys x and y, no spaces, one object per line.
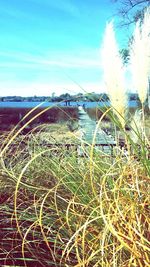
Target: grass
{"x":61,"y":210}
{"x":10,"y":117}
{"x":107,"y":123}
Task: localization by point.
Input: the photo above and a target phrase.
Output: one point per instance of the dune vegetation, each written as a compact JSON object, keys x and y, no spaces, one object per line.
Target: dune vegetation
{"x":10,"y":117}
{"x":61,"y":209}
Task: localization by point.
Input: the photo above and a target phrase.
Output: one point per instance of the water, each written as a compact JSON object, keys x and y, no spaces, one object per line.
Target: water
{"x":50,"y":104}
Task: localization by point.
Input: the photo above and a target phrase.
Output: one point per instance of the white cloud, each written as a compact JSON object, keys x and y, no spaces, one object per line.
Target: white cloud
{"x":24,"y":73}
{"x":60,"y":71}
{"x":30,"y":89}
{"x":60,"y":59}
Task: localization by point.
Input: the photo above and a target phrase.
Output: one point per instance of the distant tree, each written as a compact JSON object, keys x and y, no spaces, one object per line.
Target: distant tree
{"x":131,"y":10}
{"x":53,"y":95}
{"x":93,"y":97}
{"x":65,"y":96}
{"x":79,"y":97}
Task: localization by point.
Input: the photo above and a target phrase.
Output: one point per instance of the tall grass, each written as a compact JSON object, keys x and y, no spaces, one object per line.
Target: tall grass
{"x":10,"y":117}
{"x":140,"y":57}
{"x":114,"y":73}
{"x":61,"y":210}
{"x":63,"y":213}
{"x":140,"y":60}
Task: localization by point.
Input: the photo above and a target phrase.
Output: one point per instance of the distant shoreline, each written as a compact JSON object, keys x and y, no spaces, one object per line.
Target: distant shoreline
{"x":11,"y":104}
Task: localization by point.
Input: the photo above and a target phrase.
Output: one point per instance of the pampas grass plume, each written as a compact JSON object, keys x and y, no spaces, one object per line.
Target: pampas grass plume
{"x":114,"y":73}
{"x":140,"y":57}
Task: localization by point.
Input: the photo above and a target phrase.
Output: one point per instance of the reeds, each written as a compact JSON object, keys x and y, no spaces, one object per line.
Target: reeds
{"x":114,"y":73}
{"x":140,"y":61}
{"x":140,"y":57}
{"x":55,"y":219}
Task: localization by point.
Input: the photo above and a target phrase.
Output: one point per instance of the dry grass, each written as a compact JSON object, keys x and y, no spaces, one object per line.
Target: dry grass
{"x":10,"y":117}
{"x":61,"y":210}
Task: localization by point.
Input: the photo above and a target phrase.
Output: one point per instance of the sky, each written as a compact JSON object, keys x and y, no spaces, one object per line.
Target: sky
{"x":51,"y":46}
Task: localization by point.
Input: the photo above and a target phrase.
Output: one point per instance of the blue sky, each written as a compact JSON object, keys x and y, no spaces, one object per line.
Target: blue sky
{"x":53,"y":45}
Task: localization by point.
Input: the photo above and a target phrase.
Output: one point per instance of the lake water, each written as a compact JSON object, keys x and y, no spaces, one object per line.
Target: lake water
{"x":50,"y":104}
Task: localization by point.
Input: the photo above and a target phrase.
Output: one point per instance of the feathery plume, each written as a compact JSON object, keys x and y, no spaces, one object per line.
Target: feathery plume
{"x":114,"y":73}
{"x":140,"y":57}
